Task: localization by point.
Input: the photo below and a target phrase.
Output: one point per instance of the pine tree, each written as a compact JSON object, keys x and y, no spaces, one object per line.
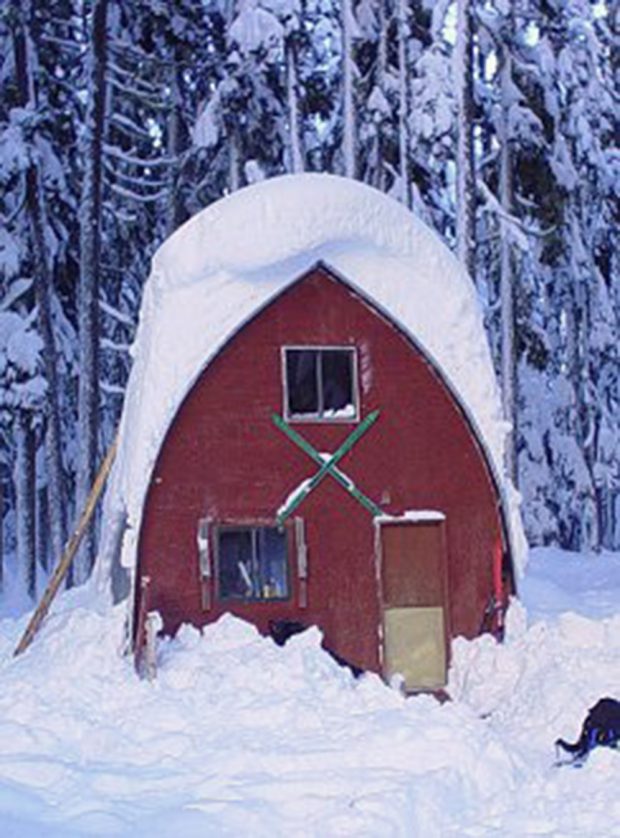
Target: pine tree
{"x":90,"y":265}
{"x":42,"y":273}
{"x":34,"y":198}
{"x":465,"y":163}
{"x":349,"y":127}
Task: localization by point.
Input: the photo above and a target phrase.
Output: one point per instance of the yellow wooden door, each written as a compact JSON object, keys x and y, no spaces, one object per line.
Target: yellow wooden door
{"x":414,"y":599}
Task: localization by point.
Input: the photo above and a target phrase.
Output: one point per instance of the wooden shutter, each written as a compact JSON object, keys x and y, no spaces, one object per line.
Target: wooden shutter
{"x":301,"y":548}
{"x":204,"y":562}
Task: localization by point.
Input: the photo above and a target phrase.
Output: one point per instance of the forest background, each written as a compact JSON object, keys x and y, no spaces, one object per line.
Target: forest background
{"x":495,"y":121}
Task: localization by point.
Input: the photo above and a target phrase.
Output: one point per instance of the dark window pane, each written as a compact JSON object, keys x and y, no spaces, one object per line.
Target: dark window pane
{"x":252,"y":564}
{"x":301,"y":380}
{"x":272,"y":565}
{"x":235,"y":564}
{"x":337,"y":379}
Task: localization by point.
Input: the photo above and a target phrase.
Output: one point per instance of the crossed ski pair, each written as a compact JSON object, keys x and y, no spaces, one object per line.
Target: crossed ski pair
{"x":327,"y":466}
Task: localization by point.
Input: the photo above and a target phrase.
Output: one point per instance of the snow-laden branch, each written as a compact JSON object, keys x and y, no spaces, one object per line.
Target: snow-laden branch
{"x":124,"y":123}
{"x":137,"y":94}
{"x":118,"y":214}
{"x":491,"y":204}
{"x":126,"y":50}
{"x":119,"y":154}
{"x":123,"y":271}
{"x":16,"y":290}
{"x":488,"y":159}
{"x":132,"y":179}
{"x":133,"y":78}
{"x":113,"y":346}
{"x":133,"y":196}
{"x":68,"y":87}
{"x":116,"y":314}
{"x":525,"y":202}
{"x":59,"y":21}
{"x":111,"y":389}
{"x":65,"y":44}
{"x":8,"y":220}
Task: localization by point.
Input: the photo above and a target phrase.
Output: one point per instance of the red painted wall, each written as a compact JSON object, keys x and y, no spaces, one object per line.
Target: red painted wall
{"x":224,"y":459}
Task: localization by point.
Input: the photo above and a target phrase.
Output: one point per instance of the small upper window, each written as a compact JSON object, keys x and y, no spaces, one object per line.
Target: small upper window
{"x":320,"y":383}
{"x":252,"y":563}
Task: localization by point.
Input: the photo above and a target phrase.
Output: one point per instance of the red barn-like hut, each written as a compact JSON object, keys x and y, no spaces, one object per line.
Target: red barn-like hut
{"x":320,"y":466}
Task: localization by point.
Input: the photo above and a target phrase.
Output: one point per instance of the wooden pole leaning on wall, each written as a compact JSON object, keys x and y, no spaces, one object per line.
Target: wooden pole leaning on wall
{"x":71,"y":549}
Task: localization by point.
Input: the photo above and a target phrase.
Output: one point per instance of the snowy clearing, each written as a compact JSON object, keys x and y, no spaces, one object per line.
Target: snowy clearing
{"x":240,"y":737}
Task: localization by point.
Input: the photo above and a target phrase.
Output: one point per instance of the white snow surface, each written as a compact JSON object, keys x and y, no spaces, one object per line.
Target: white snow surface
{"x":231,"y":259}
{"x":238,"y":736}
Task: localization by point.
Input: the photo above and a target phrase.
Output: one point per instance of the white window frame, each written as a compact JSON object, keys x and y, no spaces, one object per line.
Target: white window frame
{"x":319,"y":417}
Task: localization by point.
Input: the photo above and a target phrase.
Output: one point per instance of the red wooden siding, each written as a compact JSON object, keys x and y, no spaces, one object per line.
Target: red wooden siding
{"x":223,"y":459}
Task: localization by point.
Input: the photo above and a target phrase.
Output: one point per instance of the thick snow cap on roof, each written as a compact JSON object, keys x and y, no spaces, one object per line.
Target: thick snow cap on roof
{"x":232,"y":258}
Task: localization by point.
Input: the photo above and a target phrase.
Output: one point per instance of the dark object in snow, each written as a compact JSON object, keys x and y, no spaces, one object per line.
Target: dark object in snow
{"x":356,"y":671}
{"x":281,"y":630}
{"x":601,"y":727}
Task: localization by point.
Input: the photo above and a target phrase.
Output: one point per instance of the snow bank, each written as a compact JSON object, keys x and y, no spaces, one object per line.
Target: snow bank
{"x":231,"y":259}
{"x":240,"y":737}
{"x":237,"y":736}
{"x":558,"y":581}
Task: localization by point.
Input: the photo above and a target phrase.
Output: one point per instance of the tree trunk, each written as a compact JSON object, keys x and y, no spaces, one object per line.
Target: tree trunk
{"x":174,"y":210}
{"x":295,"y":152}
{"x":53,"y":437}
{"x":507,"y":290}
{"x":234,"y":175}
{"x":43,"y":539}
{"x":25,"y":502}
{"x":43,"y":295}
{"x":88,"y":298}
{"x":579,"y":329}
{"x":348,"y":138}
{"x":403,"y":105}
{"x":378,"y":162}
{"x":466,"y":180}
{"x":234,"y":142}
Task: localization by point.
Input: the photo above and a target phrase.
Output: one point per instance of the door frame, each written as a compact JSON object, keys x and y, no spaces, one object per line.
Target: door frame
{"x":413,"y":518}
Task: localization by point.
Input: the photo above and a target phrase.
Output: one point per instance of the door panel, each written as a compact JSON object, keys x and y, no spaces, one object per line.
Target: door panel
{"x":413,"y":576}
{"x":413,"y":563}
{"x":416,"y":646}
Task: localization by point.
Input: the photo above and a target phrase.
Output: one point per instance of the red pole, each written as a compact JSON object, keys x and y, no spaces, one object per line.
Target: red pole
{"x":498,"y":590}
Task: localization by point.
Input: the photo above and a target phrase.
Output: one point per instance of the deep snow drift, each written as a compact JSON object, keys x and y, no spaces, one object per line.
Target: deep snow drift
{"x":240,"y":737}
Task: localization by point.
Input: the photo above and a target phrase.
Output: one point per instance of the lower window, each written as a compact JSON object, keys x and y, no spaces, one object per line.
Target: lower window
{"x":252,"y":563}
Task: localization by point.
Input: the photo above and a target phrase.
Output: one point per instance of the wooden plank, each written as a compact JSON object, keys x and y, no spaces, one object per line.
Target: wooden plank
{"x":71,"y":549}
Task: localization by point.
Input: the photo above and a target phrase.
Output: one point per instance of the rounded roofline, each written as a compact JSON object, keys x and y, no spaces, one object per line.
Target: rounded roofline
{"x":208,"y":243}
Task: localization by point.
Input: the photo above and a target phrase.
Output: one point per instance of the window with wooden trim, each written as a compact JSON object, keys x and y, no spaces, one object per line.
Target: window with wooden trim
{"x":252,"y":563}
{"x":320,"y":383}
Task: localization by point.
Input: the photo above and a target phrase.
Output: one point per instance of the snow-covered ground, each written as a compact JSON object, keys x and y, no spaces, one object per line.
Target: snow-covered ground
{"x":240,"y":737}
